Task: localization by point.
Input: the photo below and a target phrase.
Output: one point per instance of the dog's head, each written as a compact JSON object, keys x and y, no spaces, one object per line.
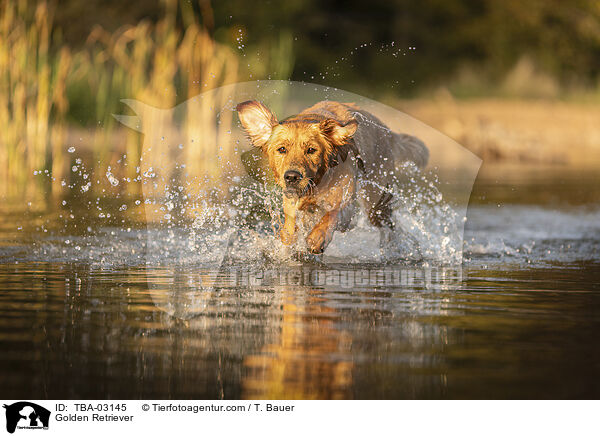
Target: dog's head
{"x":300,"y":149}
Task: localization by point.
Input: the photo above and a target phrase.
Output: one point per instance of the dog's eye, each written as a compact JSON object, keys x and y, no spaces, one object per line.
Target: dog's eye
{"x":281,"y":150}
{"x":311,"y":150}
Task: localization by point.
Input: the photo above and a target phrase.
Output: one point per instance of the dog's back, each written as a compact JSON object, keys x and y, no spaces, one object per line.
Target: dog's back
{"x":379,"y":149}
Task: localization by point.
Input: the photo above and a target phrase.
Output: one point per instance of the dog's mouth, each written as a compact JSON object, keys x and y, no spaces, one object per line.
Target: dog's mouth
{"x":291,"y":192}
{"x":299,"y":191}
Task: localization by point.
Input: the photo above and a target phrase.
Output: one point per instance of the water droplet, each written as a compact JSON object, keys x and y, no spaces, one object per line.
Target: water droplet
{"x":111,"y":178}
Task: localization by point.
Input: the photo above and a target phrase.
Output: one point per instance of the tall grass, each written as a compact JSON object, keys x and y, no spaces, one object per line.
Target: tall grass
{"x":160,"y":66}
{"x":32,"y":93}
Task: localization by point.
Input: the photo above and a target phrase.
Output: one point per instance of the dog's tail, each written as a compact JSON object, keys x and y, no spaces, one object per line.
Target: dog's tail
{"x":410,"y":148}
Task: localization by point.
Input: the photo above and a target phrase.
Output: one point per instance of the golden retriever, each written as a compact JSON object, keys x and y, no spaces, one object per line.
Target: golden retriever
{"x":321,"y":157}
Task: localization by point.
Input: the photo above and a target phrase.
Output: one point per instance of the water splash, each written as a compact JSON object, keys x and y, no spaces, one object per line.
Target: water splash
{"x":200,"y":206}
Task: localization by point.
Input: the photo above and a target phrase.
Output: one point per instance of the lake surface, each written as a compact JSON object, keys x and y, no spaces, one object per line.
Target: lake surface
{"x":84,"y":314}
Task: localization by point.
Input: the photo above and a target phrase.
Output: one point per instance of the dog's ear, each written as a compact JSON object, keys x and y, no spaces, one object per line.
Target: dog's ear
{"x":338,"y":134}
{"x":257,"y":120}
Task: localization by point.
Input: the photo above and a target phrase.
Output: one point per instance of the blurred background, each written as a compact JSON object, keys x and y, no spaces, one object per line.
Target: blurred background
{"x":518,"y":83}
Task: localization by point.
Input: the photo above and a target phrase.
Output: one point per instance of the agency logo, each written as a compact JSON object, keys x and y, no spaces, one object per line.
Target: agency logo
{"x":26,"y":415}
{"x":211,"y":206}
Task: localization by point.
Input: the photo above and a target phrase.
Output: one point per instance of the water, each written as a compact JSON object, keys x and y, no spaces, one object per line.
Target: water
{"x":83,"y":315}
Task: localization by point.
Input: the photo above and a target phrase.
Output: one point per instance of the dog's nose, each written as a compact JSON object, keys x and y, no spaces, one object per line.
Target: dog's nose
{"x":292,"y":177}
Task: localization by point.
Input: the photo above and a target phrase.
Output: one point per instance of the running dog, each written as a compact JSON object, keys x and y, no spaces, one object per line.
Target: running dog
{"x":321,"y":157}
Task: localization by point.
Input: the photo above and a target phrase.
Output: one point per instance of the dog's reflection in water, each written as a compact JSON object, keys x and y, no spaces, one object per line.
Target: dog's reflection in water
{"x":310,"y":358}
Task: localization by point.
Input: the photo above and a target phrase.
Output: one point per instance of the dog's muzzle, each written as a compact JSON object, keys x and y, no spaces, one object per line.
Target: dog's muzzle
{"x":292,"y":178}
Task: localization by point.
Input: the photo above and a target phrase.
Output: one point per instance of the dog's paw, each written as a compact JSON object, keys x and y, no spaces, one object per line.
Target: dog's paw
{"x":317,"y":241}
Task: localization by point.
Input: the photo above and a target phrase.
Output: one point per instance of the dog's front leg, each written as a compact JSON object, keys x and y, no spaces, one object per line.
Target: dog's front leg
{"x":288,"y":230}
{"x":321,"y":235}
{"x":337,"y":194}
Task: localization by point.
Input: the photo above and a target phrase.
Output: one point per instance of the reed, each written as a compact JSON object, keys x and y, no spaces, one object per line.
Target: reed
{"x":160,"y":66}
{"x":156,"y":63}
{"x":33,"y":102}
